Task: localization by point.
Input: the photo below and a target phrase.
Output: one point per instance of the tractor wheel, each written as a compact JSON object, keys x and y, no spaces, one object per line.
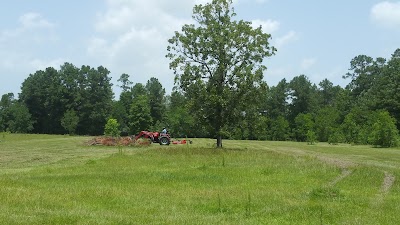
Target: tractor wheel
{"x":164,"y":141}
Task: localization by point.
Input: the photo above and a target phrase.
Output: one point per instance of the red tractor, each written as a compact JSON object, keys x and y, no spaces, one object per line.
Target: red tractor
{"x":154,"y":137}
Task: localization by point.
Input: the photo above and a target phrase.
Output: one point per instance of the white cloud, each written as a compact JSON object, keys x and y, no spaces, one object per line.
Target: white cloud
{"x":123,"y":14}
{"x":268,"y":26}
{"x":287,"y":38}
{"x":24,"y":46}
{"x":33,"y":33}
{"x":307,"y":63}
{"x":132,"y":37}
{"x":6,"y":35}
{"x":16,"y":66}
{"x":24,"y":63}
{"x":386,"y":14}
{"x":29,"y":23}
{"x":122,"y":17}
{"x":115,"y":19}
{"x":98,"y":47}
{"x":34,"y":20}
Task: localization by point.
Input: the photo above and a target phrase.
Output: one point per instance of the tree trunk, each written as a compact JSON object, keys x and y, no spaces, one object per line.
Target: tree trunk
{"x":219,"y":141}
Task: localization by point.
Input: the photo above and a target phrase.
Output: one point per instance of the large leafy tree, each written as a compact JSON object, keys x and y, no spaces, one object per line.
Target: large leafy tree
{"x":218,"y":63}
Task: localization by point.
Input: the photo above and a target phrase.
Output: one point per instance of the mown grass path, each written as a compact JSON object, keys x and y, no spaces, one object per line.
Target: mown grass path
{"x":59,"y":180}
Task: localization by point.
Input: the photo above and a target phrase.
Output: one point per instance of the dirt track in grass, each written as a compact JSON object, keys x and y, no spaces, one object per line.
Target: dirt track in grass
{"x":386,"y":186}
{"x":346,"y":165}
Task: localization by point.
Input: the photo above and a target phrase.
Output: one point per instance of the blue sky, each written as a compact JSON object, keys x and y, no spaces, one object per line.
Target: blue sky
{"x":313,"y":37}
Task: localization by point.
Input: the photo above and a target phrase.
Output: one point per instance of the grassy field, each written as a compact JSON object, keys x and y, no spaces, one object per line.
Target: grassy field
{"x":59,"y":180}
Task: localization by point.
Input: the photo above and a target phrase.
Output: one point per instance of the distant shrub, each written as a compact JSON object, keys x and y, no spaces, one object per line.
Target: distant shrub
{"x":384,"y":131}
{"x":112,"y":128}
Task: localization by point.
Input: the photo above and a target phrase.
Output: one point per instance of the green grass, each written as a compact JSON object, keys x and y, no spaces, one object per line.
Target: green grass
{"x":48,"y":179}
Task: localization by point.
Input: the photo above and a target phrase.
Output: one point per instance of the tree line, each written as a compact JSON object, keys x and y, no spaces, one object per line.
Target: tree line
{"x":219,"y":93}
{"x":79,"y":101}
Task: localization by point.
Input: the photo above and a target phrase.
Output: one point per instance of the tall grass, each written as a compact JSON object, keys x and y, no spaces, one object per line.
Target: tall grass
{"x":59,"y":180}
